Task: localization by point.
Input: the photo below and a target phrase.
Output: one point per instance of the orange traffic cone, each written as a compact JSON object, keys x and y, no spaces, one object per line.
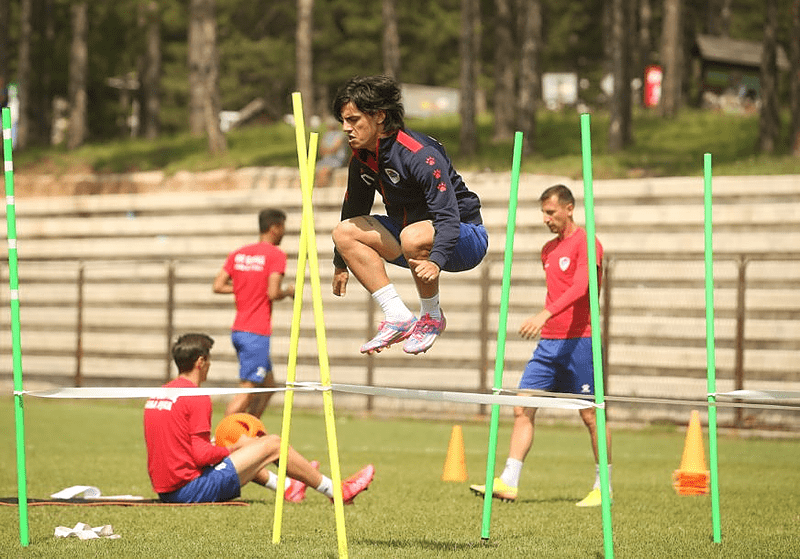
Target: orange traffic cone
{"x":455,"y":467}
{"x":692,"y":478}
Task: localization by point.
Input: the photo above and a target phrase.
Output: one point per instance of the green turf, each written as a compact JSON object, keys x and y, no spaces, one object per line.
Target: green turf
{"x":408,"y":511}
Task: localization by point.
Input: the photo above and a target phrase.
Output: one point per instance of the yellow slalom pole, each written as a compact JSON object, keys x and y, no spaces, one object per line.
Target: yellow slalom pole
{"x":294,"y":338}
{"x":322,"y":350}
{"x":308,"y":249}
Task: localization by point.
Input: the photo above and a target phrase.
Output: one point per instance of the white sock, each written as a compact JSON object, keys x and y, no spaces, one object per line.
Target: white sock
{"x":597,"y":476}
{"x":431,"y":307}
{"x":272,"y":481}
{"x":511,"y":473}
{"x":326,"y":487}
{"x":391,"y":304}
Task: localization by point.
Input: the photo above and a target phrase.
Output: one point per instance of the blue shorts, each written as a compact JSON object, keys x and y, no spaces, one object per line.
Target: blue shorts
{"x":473,"y":240}
{"x":253,"y":353}
{"x":560,"y":366}
{"x":215,"y":484}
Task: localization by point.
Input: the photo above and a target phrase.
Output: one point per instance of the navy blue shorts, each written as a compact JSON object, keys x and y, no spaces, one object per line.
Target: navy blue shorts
{"x":253,"y":353}
{"x":216,"y":483}
{"x":561,"y":366}
{"x":473,"y":240}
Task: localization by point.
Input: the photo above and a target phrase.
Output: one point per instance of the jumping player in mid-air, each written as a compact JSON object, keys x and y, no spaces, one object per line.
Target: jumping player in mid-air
{"x":433,"y":221}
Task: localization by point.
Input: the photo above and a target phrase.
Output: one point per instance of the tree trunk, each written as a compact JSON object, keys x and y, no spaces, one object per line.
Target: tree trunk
{"x":391,"y":40}
{"x":5,"y":16}
{"x":619,"y":133}
{"x":150,"y":75}
{"x":78,"y":75}
{"x":204,"y":74}
{"x":195,"y":47}
{"x":719,"y":17}
{"x":769,"y":125}
{"x":794,"y":50}
{"x":211,"y":101}
{"x":530,"y":84}
{"x":504,"y":103}
{"x":42,"y":102}
{"x":671,"y":58}
{"x":468,"y":53}
{"x":24,"y":72}
{"x":305,"y":57}
{"x":644,"y":42}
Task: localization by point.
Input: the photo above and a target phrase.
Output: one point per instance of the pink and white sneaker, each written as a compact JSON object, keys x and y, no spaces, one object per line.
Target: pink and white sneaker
{"x":425,"y":332}
{"x":388,"y":334}
{"x":296,"y":491}
{"x":357,"y":483}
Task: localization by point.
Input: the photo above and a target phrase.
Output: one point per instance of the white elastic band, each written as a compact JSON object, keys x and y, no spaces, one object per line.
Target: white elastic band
{"x":140,"y":392}
{"x":407,"y":393}
{"x":316,"y":386}
{"x":760,"y":394}
{"x":9,"y":166}
{"x":466,"y":398}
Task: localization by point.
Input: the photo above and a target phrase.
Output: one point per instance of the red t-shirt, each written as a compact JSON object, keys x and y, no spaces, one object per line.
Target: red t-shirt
{"x":177,"y":432}
{"x":566,"y":271}
{"x":250,"y":268}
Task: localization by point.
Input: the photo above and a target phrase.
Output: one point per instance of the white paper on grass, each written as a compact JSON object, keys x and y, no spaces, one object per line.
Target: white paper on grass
{"x":85,"y":532}
{"x":90,"y":492}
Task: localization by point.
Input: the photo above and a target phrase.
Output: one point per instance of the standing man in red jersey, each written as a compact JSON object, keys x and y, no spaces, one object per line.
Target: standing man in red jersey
{"x":254,"y":274}
{"x":562,"y":361}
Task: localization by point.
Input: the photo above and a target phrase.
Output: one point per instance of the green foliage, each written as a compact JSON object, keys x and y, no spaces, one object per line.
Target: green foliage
{"x":661,"y":147}
{"x":408,"y":512}
{"x":429,"y":41}
{"x":257,"y":49}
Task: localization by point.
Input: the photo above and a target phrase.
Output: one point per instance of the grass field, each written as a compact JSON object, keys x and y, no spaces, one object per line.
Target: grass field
{"x":408,"y":511}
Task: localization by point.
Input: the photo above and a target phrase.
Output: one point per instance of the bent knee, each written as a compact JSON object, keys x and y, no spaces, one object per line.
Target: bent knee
{"x":350,"y":229}
{"x":342,"y":231}
{"x":530,"y":413}
{"x":416,"y":240}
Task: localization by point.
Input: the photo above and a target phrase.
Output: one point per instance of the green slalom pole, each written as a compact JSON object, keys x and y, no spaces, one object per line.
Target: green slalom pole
{"x":16,"y":352}
{"x":502,"y":327}
{"x":597,"y":355}
{"x":710,"y":352}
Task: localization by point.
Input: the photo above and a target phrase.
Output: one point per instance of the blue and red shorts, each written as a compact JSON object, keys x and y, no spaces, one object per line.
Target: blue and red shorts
{"x":216,"y":484}
{"x":561,"y":366}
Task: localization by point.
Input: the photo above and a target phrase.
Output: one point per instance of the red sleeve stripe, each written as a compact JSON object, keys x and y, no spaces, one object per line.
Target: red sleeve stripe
{"x":408,"y":142}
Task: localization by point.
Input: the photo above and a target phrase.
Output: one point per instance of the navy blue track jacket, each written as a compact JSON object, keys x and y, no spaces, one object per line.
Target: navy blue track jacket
{"x":417,"y":182}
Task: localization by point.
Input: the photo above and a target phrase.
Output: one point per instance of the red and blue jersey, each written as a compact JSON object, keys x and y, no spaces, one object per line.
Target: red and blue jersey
{"x":417,"y":182}
{"x":177,"y":432}
{"x":566,"y":270}
{"x":250,"y":268}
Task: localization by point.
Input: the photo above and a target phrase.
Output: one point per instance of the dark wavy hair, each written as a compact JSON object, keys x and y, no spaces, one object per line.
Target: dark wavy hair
{"x":371,"y":94}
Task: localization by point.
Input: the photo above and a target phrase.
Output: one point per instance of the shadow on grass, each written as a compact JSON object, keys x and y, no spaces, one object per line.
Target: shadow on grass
{"x":550,"y":500}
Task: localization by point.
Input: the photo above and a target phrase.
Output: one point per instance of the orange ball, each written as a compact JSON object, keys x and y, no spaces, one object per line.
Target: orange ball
{"x":235,"y":425}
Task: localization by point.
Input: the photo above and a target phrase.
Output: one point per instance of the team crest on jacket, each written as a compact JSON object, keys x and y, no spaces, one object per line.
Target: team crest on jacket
{"x":563,"y":263}
{"x":394,"y":176}
{"x":368,"y":179}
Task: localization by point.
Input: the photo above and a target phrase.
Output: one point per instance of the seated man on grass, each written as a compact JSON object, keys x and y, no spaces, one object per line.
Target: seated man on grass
{"x":185,"y":467}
